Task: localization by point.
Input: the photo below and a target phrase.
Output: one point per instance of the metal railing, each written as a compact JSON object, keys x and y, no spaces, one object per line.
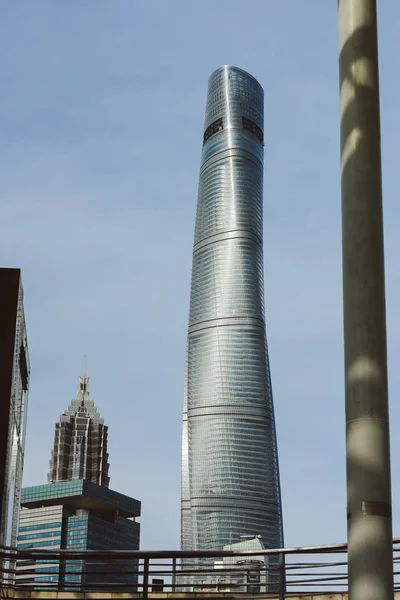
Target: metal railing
{"x":279,"y":573}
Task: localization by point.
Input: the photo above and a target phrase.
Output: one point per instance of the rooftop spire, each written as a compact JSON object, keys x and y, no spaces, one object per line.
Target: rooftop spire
{"x":84,"y":382}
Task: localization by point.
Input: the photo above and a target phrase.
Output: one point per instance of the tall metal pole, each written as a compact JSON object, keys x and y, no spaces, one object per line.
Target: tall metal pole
{"x":367,"y":418}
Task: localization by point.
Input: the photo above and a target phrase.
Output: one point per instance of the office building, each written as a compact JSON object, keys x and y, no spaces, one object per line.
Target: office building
{"x":76,"y":510}
{"x":14,"y":383}
{"x":77,"y":515}
{"x":230,"y":475}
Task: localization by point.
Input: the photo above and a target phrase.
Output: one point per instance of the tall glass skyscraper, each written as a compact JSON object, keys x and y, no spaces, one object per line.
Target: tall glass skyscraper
{"x":230,"y":475}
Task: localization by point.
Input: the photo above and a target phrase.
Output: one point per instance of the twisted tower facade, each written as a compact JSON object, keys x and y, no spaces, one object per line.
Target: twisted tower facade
{"x":230,"y":475}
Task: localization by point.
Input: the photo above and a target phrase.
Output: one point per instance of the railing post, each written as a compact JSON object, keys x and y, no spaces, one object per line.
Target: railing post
{"x":173,"y":574}
{"x":145,"y":578}
{"x":282,"y":576}
{"x":83,"y":577}
{"x":61,"y":572}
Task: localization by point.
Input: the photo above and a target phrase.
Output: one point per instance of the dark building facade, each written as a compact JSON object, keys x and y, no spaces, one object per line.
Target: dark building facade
{"x":14,"y":383}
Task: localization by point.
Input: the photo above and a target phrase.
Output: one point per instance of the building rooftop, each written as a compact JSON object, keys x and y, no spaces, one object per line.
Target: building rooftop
{"x":80,"y":494}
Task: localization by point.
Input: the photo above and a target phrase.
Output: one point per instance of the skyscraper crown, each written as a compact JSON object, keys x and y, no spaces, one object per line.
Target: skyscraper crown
{"x":80,"y":442}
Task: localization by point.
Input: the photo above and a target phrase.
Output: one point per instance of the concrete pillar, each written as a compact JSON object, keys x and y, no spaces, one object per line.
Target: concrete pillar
{"x":367,"y":419}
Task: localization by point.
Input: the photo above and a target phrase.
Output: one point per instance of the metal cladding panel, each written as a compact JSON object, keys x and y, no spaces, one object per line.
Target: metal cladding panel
{"x":230,"y":475}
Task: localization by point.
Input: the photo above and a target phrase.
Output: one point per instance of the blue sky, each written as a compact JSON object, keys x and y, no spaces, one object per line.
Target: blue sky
{"x":102,"y":110}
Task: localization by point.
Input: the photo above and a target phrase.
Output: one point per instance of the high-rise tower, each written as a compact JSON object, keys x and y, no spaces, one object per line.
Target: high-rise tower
{"x":230,"y":475}
{"x":76,"y":510}
{"x":80,"y":442}
{"x":14,"y":384}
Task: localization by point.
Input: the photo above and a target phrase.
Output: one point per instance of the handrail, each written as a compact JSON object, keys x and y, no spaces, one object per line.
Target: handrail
{"x":277,"y":572}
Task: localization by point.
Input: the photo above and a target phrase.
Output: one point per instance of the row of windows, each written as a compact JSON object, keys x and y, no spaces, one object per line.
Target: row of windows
{"x":36,"y":536}
{"x":77,"y":531}
{"x":46,"y":579}
{"x":71,"y":578}
{"x":77,"y":521}
{"x":52,"y":490}
{"x":253,"y":128}
{"x":59,"y":485}
{"x":76,"y":541}
{"x":55,"y":542}
{"x":40,"y":526}
{"x":113,"y":543}
{"x":47,"y":570}
{"x":218,"y":125}
{"x":212,"y":129}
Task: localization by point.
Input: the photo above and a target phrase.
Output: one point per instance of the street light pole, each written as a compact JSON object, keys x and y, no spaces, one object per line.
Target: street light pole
{"x":367,"y":418}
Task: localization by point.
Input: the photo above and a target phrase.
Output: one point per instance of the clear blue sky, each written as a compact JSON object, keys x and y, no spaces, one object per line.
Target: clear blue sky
{"x":101,"y":110}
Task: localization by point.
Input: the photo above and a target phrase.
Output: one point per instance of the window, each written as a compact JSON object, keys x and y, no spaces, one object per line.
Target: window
{"x":39,"y":526}
{"x":253,"y":128}
{"x":212,"y":129}
{"x":44,"y":545}
{"x":23,"y":367}
{"x":38,"y":535}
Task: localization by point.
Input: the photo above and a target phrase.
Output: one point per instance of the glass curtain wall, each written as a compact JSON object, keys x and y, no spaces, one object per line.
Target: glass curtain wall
{"x":230,"y":475}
